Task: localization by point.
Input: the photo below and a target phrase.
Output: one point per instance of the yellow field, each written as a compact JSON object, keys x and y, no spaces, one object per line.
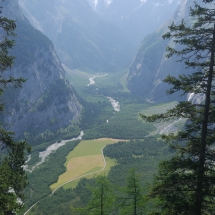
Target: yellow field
{"x":84,"y":159}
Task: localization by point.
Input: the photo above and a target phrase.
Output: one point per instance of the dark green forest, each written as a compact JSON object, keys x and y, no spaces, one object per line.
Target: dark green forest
{"x":141,"y":155}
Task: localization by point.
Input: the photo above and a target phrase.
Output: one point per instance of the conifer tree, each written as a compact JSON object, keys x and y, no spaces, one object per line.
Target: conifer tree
{"x":132,"y":200}
{"x":185,"y":184}
{"x":12,"y":175}
{"x":102,"y":200}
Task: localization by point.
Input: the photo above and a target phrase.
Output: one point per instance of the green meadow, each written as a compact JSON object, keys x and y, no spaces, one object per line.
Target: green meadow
{"x":86,"y":158}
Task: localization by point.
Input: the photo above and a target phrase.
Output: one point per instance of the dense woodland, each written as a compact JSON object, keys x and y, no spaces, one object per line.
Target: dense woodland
{"x":38,"y":187}
{"x":124,"y":124}
{"x":143,"y":156}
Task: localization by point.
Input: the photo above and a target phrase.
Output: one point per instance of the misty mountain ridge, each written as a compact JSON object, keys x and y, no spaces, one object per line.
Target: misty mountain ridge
{"x":137,"y":18}
{"x":82,"y":39}
{"x":150,"y":66}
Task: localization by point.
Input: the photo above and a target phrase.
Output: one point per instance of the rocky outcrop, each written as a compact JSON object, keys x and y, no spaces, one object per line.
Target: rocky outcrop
{"x":46,"y":101}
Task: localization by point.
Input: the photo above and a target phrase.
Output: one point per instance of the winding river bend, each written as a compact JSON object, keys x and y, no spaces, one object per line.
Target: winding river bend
{"x":43,"y":155}
{"x":92,"y":81}
{"x":115,"y":104}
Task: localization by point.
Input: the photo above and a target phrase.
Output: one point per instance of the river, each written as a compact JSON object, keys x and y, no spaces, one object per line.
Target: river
{"x":43,"y":155}
{"x":92,"y":81}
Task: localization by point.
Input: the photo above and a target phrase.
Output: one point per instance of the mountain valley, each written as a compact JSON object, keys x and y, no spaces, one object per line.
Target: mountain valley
{"x":91,"y":68}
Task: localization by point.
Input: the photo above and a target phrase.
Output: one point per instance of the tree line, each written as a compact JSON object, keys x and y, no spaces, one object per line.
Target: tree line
{"x":144,"y":165}
{"x":12,"y":153}
{"x":185,"y":184}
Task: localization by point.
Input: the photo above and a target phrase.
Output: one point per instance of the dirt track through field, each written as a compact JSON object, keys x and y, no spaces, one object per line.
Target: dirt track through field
{"x":84,"y":174}
{"x":71,"y":181}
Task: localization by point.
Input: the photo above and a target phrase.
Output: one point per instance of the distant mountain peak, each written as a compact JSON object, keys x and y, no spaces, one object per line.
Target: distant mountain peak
{"x":136,"y":18}
{"x":83,"y":40}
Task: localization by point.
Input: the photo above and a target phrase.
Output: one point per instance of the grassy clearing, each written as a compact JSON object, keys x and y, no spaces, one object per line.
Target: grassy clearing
{"x":106,"y":85}
{"x":80,"y":80}
{"x":85,"y":158}
{"x":109,"y":163}
{"x":77,"y":77}
{"x":174,"y":124}
{"x":158,"y":108}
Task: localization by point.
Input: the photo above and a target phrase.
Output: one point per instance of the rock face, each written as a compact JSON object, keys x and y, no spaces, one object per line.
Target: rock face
{"x":151,"y":66}
{"x":46,"y":101}
{"x":137,"y":18}
{"x":82,"y":39}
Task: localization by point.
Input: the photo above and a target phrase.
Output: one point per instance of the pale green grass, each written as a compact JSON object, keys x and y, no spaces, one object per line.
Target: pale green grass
{"x":77,"y":78}
{"x":111,"y":82}
{"x":89,"y":147}
{"x":110,"y":163}
{"x":79,"y":81}
{"x":158,"y":108}
{"x":123,"y":81}
{"x":160,"y":125}
{"x":85,"y":158}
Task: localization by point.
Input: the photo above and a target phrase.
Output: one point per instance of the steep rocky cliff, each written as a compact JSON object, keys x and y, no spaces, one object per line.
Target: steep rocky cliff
{"x":82,"y":39}
{"x":151,"y":66}
{"x":46,"y":101}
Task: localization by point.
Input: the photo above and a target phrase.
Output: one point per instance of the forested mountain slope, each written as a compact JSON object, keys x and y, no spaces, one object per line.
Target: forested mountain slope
{"x":150,"y":66}
{"x":82,"y":39}
{"x":46,"y":100}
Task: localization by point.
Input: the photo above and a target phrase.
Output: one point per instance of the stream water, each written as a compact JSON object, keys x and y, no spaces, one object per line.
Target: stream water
{"x":115,"y":104}
{"x":92,"y":81}
{"x":43,"y":155}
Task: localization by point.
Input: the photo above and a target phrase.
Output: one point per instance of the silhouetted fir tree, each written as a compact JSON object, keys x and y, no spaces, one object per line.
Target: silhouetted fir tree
{"x":132,"y":201}
{"x":185,"y":184}
{"x":12,"y":175}
{"x":102,"y":200}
